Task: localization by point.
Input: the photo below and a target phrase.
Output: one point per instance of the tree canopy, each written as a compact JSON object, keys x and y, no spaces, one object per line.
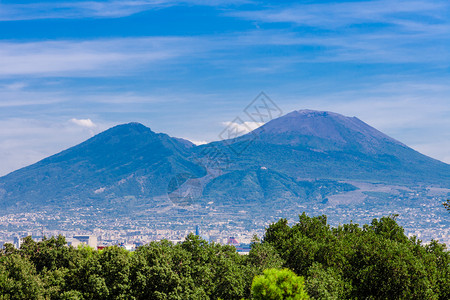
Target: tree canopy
{"x":308,"y":259}
{"x":376,"y":261}
{"x":276,"y":284}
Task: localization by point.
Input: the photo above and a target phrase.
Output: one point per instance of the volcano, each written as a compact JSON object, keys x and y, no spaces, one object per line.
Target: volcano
{"x":282,"y":158}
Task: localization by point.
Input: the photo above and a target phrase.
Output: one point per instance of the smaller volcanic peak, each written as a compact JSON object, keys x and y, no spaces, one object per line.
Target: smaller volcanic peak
{"x":121,"y":132}
{"x":125,"y":160}
{"x":130,"y":127}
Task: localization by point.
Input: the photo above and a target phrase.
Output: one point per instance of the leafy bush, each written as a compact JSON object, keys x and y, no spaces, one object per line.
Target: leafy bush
{"x":278,"y":285}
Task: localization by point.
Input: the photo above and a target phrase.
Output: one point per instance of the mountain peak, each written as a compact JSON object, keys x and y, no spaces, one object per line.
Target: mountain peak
{"x":127,"y":159}
{"x":324,"y":130}
{"x":312,"y":113}
{"x":129,"y":127}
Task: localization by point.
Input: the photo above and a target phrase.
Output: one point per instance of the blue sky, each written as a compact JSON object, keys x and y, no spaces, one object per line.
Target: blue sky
{"x":70,"y":69}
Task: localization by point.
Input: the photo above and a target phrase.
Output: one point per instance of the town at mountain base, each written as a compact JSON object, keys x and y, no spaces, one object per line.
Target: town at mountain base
{"x":312,"y":161}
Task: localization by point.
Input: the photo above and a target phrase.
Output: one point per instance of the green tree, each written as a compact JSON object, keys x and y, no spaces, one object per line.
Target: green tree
{"x":86,"y":275}
{"x":327,"y":283}
{"x":49,"y":254}
{"x":278,"y":285}
{"x":263,"y":256}
{"x":376,"y":261}
{"x":388,"y":228}
{"x":18,"y":279}
{"x":162,"y":270}
{"x":114,"y":268}
{"x":218,"y":268}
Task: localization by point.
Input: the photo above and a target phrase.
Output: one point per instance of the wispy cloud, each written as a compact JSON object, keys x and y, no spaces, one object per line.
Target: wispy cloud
{"x":335,"y":15}
{"x":365,"y":48}
{"x":15,"y":86}
{"x":93,"y":9}
{"x":18,"y":97}
{"x":383,"y":31}
{"x":82,"y":58}
{"x":52,"y":99}
{"x":124,"y":56}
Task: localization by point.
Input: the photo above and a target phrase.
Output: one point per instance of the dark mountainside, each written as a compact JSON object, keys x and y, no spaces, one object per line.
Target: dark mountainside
{"x":310,"y":144}
{"x":122,"y":161}
{"x":296,"y":156}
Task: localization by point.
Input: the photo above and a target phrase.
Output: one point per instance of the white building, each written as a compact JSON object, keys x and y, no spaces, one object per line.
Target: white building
{"x":88,"y":240}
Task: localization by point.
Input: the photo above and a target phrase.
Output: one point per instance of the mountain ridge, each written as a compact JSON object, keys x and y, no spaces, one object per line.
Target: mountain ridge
{"x":124,"y":154}
{"x":130,"y":160}
{"x":320,"y":144}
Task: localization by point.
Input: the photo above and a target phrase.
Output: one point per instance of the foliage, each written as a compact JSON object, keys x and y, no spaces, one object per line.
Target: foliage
{"x":18,"y":278}
{"x":447,"y":204}
{"x":375,"y":261}
{"x":326,"y":283}
{"x":277,"y":285}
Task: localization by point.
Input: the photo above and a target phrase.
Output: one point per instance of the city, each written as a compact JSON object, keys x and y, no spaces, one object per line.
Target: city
{"x":420,"y":212}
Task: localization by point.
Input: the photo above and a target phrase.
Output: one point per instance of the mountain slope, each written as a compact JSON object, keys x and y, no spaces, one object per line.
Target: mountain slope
{"x":126,"y":160}
{"x":317,"y":144}
{"x":284,"y":160}
{"x":262,"y":186}
{"x":326,"y":131}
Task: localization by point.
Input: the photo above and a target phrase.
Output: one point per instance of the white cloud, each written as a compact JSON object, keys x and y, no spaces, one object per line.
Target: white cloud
{"x":242,"y":128}
{"x":12,"y":97}
{"x":15,"y":86}
{"x":87,"y":123}
{"x":345,"y":13}
{"x":104,"y":57}
{"x":384,"y":31}
{"x":93,"y":9}
{"x":196,"y":142}
{"x":132,"y":56}
{"x":50,"y":97}
{"x":76,"y":9}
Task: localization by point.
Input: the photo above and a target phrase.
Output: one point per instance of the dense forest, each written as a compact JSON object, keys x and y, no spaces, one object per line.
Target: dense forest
{"x":309,"y":259}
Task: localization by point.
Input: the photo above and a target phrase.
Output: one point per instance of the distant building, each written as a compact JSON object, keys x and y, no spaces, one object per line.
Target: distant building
{"x":199,"y":234}
{"x":232,"y":241}
{"x":128,"y":247}
{"x":243,"y":249}
{"x":18,"y":242}
{"x":88,"y":240}
{"x":197,"y":230}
